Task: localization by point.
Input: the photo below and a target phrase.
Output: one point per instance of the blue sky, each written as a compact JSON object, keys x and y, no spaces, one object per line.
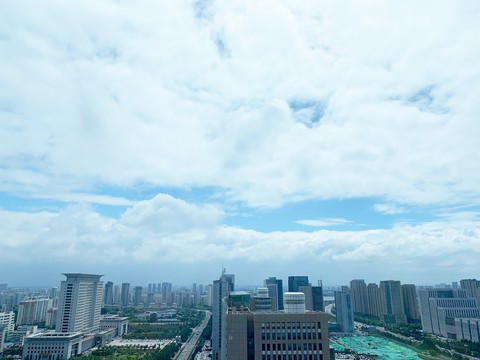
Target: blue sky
{"x":161,"y":141}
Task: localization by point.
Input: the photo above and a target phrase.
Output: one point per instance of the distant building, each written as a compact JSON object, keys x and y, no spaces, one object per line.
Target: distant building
{"x":294,"y":283}
{"x":80,"y":303}
{"x":392,"y":304}
{"x":410,"y":302}
{"x":358,"y":290}
{"x":263,"y":302}
{"x":108,"y":294}
{"x":275,"y":290}
{"x":51,"y":318}
{"x":3,"y":332}
{"x":472,"y":287}
{"x":137,"y":298}
{"x":7,"y":319}
{"x":27,"y":311}
{"x":239,"y":299}
{"x":125,"y":294}
{"x":344,"y":311}
{"x":439,"y":309}
{"x":375,"y":305}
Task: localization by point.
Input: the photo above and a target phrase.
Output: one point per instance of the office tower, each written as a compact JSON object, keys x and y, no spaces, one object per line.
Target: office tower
{"x":239,"y":299}
{"x":149,"y":290}
{"x":358,"y":289}
{"x":164,"y":294}
{"x":294,"y":282}
{"x":392,"y":305}
{"x":276,"y":335}
{"x":307,"y":291}
{"x":209,"y":300}
{"x":108,"y":296}
{"x":26,"y":312}
{"x":221,"y":290}
{"x":116,"y":294}
{"x":137,"y":298}
{"x":275,"y":290}
{"x":442,"y":310}
{"x":194,"y":287}
{"x":125,"y":294}
{"x":154,"y":288}
{"x":472,"y":287}
{"x":263,"y":302}
{"x":53,"y":292}
{"x":344,"y":311}
{"x":80,"y":303}
{"x":7,"y":319}
{"x":410,"y":302}
{"x":159,"y":288}
{"x":200,"y":288}
{"x":317,"y":297}
{"x":374,"y":300}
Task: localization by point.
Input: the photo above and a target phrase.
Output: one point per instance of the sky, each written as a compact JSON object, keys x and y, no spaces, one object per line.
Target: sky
{"x":157,"y":141}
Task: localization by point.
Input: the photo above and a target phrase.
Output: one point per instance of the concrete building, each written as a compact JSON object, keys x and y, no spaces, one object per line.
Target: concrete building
{"x":51,"y":318}
{"x":467,"y":329}
{"x":221,"y":290}
{"x":7,"y":319}
{"x":120,"y":324}
{"x":439,"y":309}
{"x":80,"y":303}
{"x":294,"y":302}
{"x":277,"y":335}
{"x":392,"y":304}
{"x":472,"y":287}
{"x":294,"y":283}
{"x":374,"y":300}
{"x":125,"y":294}
{"x":263,"y":302}
{"x":275,"y":290}
{"x":42,"y":307}
{"x":52,"y":346}
{"x":344,"y":311}
{"x":108,"y":294}
{"x":27,"y":311}
{"x":138,"y":293}
{"x":358,"y":289}
{"x":410,"y":303}
{"x":22,"y":332}
{"x":3,"y":332}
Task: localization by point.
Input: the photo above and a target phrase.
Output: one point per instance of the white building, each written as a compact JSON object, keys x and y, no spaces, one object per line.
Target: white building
{"x":80,"y":304}
{"x":8,"y":320}
{"x":52,"y":346}
{"x":42,"y":307}
{"x":120,"y":324}
{"x":27,"y":311}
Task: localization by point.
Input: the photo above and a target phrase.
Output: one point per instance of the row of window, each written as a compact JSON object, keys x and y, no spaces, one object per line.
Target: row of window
{"x":293,"y":357}
{"x":291,"y":336}
{"x":292,"y":346}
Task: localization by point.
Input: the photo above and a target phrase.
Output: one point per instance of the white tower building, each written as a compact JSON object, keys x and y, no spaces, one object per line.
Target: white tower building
{"x":80,"y":303}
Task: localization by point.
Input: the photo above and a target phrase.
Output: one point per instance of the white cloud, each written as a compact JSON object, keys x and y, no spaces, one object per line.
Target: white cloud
{"x":388,"y":209}
{"x":323,"y":222}
{"x":166,"y":235}
{"x":111,"y":93}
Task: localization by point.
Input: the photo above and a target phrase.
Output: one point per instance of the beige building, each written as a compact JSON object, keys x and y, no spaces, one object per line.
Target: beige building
{"x":277,"y":335}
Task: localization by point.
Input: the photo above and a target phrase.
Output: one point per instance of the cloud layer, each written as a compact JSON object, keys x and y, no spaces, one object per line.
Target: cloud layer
{"x":271,"y":101}
{"x":169,"y":238}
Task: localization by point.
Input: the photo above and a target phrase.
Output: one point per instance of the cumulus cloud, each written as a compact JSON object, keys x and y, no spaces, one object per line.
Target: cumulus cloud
{"x":272,"y":102}
{"x":166,"y":233}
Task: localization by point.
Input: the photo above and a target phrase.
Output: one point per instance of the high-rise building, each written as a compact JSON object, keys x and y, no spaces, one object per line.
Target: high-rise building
{"x":392,"y":304}
{"x":344,"y":311}
{"x":472,"y":287}
{"x":374,"y":300}
{"x":125,"y":294}
{"x":294,"y":283}
{"x":263,"y":302}
{"x":137,"y":298}
{"x":221,"y":290}
{"x":108,"y":295}
{"x":359,"y":296}
{"x":442,"y":311}
{"x":317,"y":297}
{"x":277,"y":335}
{"x":27,"y":311}
{"x":410,"y":302}
{"x":275,"y":290}
{"x":80,"y":303}
{"x":7,"y":319}
{"x":42,"y":307}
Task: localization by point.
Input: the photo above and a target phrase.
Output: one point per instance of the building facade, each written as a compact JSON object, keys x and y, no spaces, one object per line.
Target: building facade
{"x":344,"y":311}
{"x":7,"y":319}
{"x":52,"y":346}
{"x":80,"y":303}
{"x":275,"y":290}
{"x":294,"y":283}
{"x":392,"y":304}
{"x":221,"y":290}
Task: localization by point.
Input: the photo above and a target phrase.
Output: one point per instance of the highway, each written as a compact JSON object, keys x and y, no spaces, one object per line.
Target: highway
{"x":187,"y":348}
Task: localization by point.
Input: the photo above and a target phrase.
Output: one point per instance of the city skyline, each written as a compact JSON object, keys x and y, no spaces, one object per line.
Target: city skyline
{"x":333,"y":140}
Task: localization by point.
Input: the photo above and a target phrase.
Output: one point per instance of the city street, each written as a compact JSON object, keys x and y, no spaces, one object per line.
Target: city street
{"x":188,"y":347}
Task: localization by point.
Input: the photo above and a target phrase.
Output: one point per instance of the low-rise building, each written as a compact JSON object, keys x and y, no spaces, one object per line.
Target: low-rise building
{"x":120,"y":324}
{"x":52,"y":346}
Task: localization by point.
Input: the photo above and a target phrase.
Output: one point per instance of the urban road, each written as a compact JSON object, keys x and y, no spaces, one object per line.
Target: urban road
{"x":187,"y":348}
